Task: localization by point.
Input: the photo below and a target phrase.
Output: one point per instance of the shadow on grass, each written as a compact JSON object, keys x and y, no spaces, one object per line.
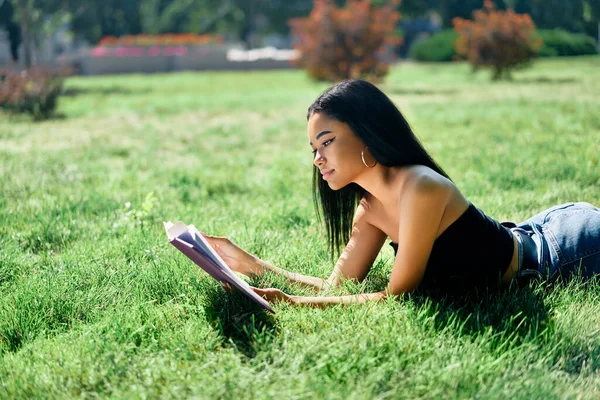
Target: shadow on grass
{"x":240,"y":321}
{"x":516,"y":313}
{"x":407,"y":91}
{"x":110,"y":90}
{"x":14,"y":116}
{"x":547,"y":79}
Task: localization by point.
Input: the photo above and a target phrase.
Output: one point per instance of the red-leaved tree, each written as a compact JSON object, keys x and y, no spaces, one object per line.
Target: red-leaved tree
{"x":500,"y":40}
{"x":356,"y":41}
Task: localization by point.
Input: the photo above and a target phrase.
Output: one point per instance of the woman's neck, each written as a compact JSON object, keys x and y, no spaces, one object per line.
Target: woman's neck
{"x":382,"y":183}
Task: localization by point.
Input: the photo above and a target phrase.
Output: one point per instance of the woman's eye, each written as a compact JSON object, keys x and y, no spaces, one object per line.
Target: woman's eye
{"x":325,"y":144}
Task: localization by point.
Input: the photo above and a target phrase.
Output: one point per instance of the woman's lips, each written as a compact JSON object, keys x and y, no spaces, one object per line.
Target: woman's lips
{"x":326,"y":173}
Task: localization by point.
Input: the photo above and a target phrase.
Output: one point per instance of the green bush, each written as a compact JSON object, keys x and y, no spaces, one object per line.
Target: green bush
{"x":558,"y":42}
{"x":438,"y":47}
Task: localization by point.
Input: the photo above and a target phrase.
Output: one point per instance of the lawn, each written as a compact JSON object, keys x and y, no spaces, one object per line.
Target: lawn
{"x":94,"y":301}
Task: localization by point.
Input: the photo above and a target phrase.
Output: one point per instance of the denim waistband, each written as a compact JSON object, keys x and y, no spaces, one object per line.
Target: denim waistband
{"x":528,"y":256}
{"x":538,"y":250}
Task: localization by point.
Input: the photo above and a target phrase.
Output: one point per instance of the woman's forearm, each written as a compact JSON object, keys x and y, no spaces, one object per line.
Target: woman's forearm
{"x":305,"y":280}
{"x":322,"y":302}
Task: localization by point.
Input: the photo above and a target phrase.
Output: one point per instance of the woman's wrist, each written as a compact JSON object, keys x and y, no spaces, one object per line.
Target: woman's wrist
{"x":261,"y":267}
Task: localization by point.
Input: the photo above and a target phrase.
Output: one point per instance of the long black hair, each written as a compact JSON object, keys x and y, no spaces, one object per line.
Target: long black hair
{"x":372,"y":116}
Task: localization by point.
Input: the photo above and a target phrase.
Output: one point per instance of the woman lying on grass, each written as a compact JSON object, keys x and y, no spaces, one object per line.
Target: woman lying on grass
{"x":374,"y":180}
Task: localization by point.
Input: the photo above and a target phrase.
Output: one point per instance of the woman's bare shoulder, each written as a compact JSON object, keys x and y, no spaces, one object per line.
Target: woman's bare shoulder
{"x":422,"y":181}
{"x":423,"y":175}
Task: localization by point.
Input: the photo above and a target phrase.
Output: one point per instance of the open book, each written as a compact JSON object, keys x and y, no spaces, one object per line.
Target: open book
{"x":191,"y":243}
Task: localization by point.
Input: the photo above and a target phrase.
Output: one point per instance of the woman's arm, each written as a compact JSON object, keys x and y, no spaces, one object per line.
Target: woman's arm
{"x":245,"y":263}
{"x":421,"y":212}
{"x":361,"y":251}
{"x":354,"y":263}
{"x":304,"y":280}
{"x":276,"y":295}
{"x":326,"y":301}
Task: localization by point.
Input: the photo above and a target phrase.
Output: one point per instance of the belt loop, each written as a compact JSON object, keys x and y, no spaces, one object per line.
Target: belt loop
{"x":543,"y":249}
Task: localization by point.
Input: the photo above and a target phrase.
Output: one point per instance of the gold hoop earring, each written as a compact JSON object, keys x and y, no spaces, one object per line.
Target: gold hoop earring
{"x":362,"y":155}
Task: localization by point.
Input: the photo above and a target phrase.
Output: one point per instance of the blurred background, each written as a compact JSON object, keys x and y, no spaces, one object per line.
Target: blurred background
{"x":95,"y":303}
{"x":120,"y":36}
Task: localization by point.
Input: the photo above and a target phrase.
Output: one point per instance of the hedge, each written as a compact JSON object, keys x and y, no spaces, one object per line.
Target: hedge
{"x":438,"y":47}
{"x":557,"y":42}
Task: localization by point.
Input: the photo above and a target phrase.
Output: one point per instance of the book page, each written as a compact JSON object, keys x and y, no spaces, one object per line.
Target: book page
{"x":191,"y":243}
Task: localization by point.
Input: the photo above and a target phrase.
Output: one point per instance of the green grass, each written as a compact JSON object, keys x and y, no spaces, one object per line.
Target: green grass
{"x":94,"y":302}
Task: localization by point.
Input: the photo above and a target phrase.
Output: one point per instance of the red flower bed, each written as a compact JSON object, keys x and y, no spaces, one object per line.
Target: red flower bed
{"x":180,"y":39}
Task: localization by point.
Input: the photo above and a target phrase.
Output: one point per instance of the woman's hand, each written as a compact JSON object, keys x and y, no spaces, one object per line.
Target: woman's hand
{"x":235,"y":257}
{"x":273,"y":295}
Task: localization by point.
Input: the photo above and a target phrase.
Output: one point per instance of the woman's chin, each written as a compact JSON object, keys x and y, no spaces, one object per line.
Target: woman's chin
{"x":334,"y":186}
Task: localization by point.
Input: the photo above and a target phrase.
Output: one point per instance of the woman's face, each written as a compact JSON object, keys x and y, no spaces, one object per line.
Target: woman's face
{"x":337,"y":150}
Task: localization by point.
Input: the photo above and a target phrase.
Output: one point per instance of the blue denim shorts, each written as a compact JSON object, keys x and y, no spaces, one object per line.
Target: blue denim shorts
{"x":567,"y":237}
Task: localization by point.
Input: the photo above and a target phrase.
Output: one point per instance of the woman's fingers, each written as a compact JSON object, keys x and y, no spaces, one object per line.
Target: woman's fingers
{"x":215,"y":241}
{"x":227,"y":287}
{"x":271,"y":294}
{"x":260,"y":292}
{"x":217,"y":238}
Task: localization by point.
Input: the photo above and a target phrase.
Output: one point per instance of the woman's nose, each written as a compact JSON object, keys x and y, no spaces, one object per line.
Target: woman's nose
{"x":318,"y":159}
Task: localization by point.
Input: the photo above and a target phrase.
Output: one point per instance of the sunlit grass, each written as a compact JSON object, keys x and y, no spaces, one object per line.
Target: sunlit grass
{"x":95,"y":302}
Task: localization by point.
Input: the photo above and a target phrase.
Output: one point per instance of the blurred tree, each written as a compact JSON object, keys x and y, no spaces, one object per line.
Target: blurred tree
{"x":242,"y":19}
{"x":36,"y":18}
{"x":209,"y":16}
{"x":245,"y":18}
{"x":417,"y":8}
{"x":354,"y":41}
{"x":93,"y":19}
{"x":572,"y":15}
{"x":550,"y":14}
{"x":280,"y":11}
{"x":591,"y":16}
{"x":11,"y":27}
{"x":165,"y":16}
{"x":500,"y":40}
{"x":238,"y":18}
{"x":450,"y":9}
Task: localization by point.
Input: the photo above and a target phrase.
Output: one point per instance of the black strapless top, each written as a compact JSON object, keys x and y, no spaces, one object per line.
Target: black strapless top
{"x":472,"y":253}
